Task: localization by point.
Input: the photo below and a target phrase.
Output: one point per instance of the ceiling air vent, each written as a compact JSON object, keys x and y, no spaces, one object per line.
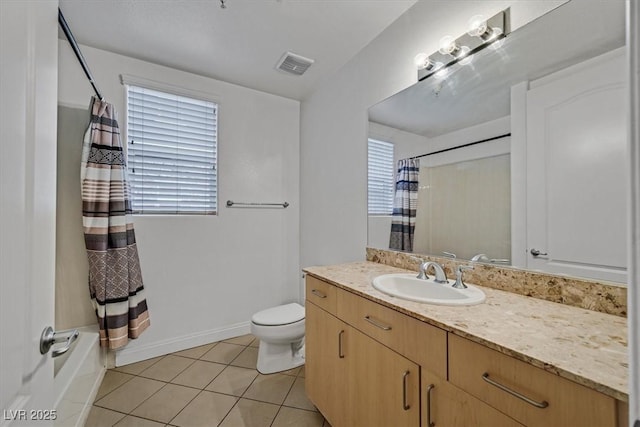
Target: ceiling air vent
{"x":294,"y":64}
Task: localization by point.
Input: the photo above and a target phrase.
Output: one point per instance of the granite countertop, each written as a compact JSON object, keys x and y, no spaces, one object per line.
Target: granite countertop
{"x":587,"y":347}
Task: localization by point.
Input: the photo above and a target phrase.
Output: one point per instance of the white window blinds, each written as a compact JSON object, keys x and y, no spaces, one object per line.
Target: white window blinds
{"x":380,"y":178}
{"x":172,"y":152}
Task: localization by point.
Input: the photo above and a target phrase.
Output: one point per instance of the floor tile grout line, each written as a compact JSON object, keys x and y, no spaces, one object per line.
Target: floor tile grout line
{"x":228,"y":412}
{"x":175,"y":376}
{"x":153,"y":394}
{"x":184,"y":407}
{"x":98,"y":399}
{"x":159,"y":359}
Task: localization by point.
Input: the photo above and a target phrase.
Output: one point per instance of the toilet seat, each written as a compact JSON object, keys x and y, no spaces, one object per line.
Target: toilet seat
{"x":280,"y":315}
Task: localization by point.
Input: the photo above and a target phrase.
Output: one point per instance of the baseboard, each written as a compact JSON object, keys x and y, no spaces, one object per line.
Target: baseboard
{"x":144,"y":352}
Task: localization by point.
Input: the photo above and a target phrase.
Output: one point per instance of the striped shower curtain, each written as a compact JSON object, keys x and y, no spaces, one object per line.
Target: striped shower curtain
{"x":115,"y":279}
{"x":405,"y":203}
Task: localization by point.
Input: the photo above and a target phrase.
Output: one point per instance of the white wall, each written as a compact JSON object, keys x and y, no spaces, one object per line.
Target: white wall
{"x":334,"y":122}
{"x":206,"y":275}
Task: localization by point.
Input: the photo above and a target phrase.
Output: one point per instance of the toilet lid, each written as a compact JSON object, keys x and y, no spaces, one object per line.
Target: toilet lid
{"x":280,"y":315}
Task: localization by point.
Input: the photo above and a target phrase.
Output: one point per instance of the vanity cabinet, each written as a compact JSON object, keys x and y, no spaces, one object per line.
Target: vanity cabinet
{"x":370,"y":365}
{"x":528,"y":394}
{"x":353,"y":379}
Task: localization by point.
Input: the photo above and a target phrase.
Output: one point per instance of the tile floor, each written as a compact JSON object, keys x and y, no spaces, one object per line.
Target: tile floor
{"x":213,"y":385}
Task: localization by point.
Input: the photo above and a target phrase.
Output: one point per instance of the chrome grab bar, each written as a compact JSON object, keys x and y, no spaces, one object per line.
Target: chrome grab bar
{"x":532,"y":402}
{"x":377,"y":323}
{"x":231,"y":203}
{"x":50,"y":337}
{"x":318,"y":293}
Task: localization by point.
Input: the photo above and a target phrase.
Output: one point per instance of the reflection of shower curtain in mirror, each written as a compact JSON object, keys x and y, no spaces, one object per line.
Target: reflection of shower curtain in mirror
{"x":405,"y":203}
{"x":115,"y":280}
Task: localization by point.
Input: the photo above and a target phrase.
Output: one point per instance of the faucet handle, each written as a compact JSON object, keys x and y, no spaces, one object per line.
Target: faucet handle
{"x":450,"y":254}
{"x":421,"y":274}
{"x":459,"y":271}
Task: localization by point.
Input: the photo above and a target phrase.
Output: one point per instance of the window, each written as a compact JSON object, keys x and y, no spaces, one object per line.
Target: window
{"x":172,"y":152}
{"x":380,"y":178}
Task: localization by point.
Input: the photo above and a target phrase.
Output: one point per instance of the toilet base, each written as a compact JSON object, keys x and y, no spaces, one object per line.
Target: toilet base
{"x":274,"y":358}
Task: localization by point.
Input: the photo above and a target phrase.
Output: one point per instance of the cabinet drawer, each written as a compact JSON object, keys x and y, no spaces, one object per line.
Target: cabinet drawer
{"x":496,"y":378}
{"x":424,"y":344}
{"x":321,"y":293}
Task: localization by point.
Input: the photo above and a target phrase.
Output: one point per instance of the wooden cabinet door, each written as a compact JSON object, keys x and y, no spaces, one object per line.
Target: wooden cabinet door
{"x":384,"y":386}
{"x":326,"y":364}
{"x":445,"y":405}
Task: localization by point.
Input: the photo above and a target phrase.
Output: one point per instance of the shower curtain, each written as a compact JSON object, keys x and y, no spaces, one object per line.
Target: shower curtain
{"x":405,"y":203}
{"x":115,"y":279}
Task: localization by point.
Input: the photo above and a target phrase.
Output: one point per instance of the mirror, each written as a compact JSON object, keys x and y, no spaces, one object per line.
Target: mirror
{"x":474,"y":103}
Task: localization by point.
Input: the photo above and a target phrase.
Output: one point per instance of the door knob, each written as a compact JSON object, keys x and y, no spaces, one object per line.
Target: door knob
{"x":50,"y":337}
{"x":537,"y":252}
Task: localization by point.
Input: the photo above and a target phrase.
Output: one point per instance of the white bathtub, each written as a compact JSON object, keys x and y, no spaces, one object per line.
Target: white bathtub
{"x":77,"y":377}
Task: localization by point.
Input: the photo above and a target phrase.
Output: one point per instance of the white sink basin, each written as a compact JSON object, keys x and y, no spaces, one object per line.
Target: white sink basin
{"x":407,"y":286}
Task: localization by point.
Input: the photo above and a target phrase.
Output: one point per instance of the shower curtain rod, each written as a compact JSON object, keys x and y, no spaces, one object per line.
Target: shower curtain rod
{"x":462,"y":146}
{"x":76,"y":49}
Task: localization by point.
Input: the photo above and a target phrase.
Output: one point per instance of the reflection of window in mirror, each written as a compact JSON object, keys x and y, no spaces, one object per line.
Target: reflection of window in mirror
{"x":381,"y":177}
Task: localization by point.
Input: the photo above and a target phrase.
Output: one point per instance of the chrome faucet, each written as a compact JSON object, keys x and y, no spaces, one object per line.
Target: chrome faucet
{"x":485,"y":258}
{"x":480,"y":258}
{"x":441,"y":277}
{"x":459,"y":271}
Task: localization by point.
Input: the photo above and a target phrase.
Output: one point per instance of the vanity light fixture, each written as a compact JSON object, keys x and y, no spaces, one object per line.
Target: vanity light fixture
{"x":480,"y":33}
{"x":448,"y":46}
{"x":478,"y":27}
{"x":423,"y":62}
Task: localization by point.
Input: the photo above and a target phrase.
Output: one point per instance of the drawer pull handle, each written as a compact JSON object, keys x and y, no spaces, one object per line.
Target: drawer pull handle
{"x":429,"y":422}
{"x":405,"y":405}
{"x":340,"y":353}
{"x":377,"y":323}
{"x":532,"y":402}
{"x":318,"y":293}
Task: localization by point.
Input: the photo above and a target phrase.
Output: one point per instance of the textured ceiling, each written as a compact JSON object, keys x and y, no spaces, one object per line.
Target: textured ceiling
{"x":240,"y":44}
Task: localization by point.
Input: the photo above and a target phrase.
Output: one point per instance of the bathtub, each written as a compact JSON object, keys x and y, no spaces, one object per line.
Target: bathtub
{"x":77,"y":377}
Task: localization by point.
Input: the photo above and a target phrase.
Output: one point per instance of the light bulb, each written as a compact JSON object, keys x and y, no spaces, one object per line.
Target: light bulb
{"x":448,"y":46}
{"x":476,"y":26}
{"x":421,"y":60}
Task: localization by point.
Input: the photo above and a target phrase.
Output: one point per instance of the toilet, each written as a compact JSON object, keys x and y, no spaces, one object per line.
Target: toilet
{"x":281,"y":333}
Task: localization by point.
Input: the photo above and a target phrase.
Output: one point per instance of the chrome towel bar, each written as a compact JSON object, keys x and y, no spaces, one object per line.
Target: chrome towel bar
{"x":231,"y":204}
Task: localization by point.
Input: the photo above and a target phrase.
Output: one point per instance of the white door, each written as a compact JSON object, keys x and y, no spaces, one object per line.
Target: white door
{"x":577,"y":173}
{"x":28,"y":98}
